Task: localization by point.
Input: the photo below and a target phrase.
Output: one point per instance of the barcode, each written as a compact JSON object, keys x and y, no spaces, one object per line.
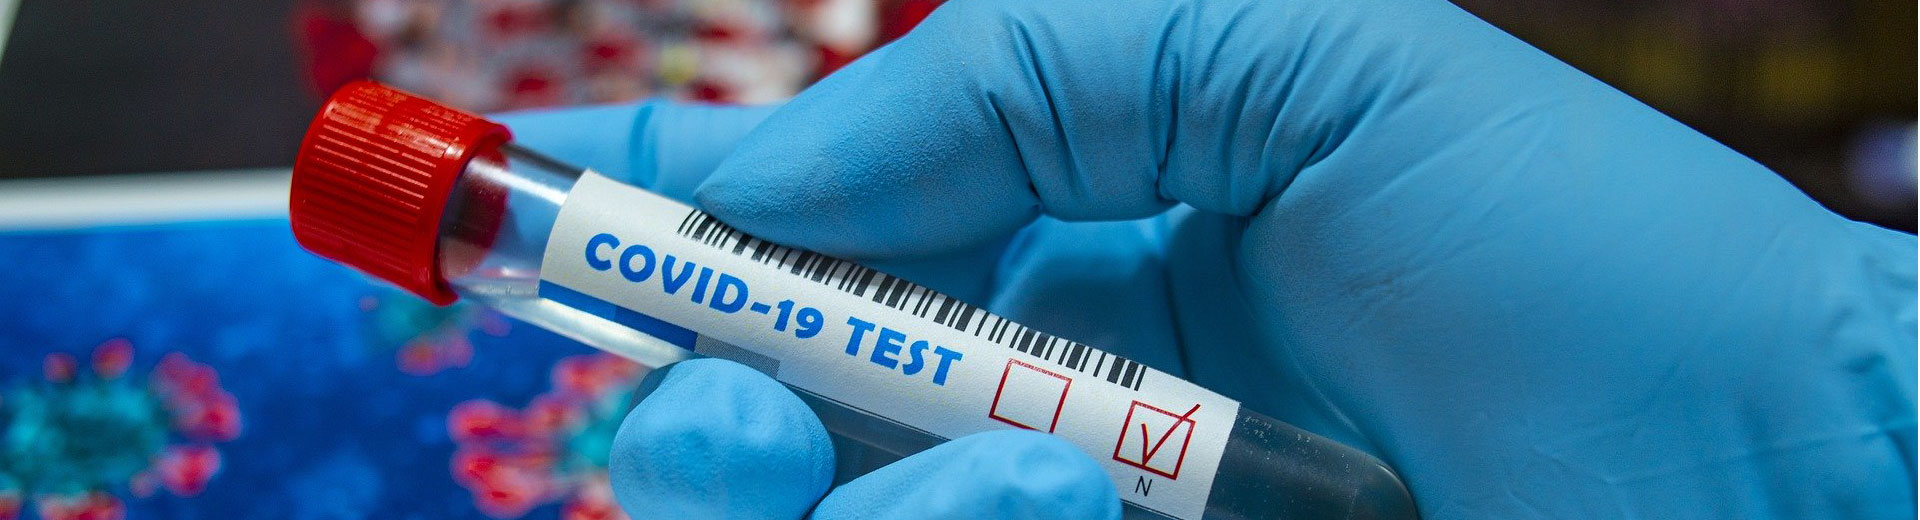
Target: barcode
{"x":897,"y":293}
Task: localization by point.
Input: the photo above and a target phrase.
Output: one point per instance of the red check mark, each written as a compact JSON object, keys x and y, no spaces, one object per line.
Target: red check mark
{"x":1146,"y":454}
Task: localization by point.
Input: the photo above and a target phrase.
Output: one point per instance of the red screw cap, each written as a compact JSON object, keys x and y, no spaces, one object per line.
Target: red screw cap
{"x":373,"y":177}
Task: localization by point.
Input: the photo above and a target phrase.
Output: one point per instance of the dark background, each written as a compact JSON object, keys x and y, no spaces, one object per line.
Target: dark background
{"x":125,"y":86}
{"x":120,"y":86}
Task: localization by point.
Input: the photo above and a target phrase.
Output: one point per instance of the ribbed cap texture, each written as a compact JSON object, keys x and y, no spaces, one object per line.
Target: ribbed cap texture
{"x":373,"y":177}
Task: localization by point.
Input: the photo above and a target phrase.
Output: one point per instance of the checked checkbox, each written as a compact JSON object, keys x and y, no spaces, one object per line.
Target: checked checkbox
{"x":1154,"y":439}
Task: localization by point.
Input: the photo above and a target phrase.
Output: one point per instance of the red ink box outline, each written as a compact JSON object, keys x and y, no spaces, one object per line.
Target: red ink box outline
{"x":993,"y":411}
{"x":1179,"y":460}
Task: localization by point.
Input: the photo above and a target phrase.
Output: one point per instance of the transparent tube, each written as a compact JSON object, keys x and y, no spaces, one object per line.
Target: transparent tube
{"x":494,"y":235}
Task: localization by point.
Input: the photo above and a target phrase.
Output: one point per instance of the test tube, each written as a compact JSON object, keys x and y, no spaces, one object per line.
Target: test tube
{"x":443,"y":204}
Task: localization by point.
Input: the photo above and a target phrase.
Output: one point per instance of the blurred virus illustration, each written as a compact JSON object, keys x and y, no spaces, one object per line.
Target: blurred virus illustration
{"x":71,"y":443}
{"x":516,"y":54}
{"x":424,"y":338}
{"x":555,"y":449}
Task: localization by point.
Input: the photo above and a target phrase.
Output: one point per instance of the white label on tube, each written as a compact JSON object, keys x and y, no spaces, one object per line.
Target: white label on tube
{"x":888,"y":347}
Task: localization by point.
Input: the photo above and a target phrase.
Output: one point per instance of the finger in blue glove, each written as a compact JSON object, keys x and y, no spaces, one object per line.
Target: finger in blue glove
{"x":715,"y":439}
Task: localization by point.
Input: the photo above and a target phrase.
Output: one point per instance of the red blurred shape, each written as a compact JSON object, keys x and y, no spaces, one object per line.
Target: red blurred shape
{"x":472,"y":465}
{"x":576,"y":375}
{"x":185,"y":470}
{"x":112,"y":358}
{"x":510,"y":491}
{"x":419,"y":358}
{"x":610,"y":54}
{"x":619,"y":368}
{"x":896,"y":18}
{"x":716,"y":32}
{"x":533,"y":87}
{"x":831,"y":59}
{"x":593,"y":500}
{"x":515,"y":21}
{"x":481,"y":419}
{"x":335,"y":51}
{"x":456,"y":352}
{"x":181,"y":376}
{"x":548,"y":414}
{"x":59,"y":367}
{"x":201,"y":409}
{"x":219,"y":419}
{"x":709,"y":91}
{"x":91,"y":506}
{"x":581,"y":376}
{"x":583,"y":508}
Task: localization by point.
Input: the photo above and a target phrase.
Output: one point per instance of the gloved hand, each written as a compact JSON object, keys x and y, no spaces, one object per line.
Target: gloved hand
{"x":1381,"y":220}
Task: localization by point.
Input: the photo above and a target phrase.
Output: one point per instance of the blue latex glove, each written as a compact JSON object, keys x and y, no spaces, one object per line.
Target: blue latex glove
{"x":1383,"y":221}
